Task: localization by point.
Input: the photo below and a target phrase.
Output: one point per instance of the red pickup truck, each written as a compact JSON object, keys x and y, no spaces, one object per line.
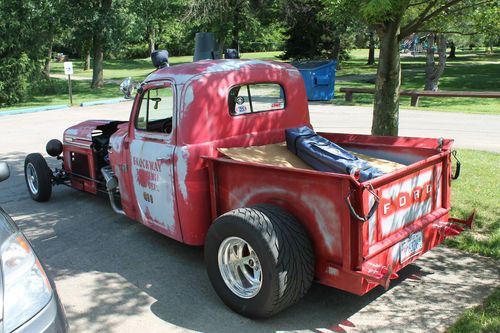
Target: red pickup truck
{"x":268,"y":230}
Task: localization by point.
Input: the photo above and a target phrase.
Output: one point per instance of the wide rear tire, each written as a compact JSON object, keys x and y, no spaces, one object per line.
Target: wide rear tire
{"x":259,"y":260}
{"x":38,"y":177}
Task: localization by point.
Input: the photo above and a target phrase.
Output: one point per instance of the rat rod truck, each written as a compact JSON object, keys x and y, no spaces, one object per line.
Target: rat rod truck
{"x":268,"y":230}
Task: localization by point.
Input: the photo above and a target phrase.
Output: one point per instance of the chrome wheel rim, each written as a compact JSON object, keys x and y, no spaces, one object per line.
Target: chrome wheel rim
{"x":32,"y":178}
{"x":240,"y":267}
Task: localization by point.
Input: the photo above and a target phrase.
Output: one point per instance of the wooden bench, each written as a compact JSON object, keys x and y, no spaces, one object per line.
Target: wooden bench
{"x":416,"y":94}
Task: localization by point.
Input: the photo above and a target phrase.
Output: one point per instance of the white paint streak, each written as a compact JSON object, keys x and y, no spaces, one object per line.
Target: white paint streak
{"x":332,"y":271}
{"x":71,"y":131}
{"x":162,"y":209}
{"x":116,"y":142}
{"x":372,"y":226}
{"x":233,"y":65}
{"x":439,"y":199}
{"x":404,"y":216}
{"x":328,"y":225}
{"x":395,"y":252}
{"x":181,"y":168}
{"x":188,"y":99}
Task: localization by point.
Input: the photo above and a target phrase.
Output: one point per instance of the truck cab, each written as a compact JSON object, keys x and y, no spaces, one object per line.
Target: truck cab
{"x":180,"y":114}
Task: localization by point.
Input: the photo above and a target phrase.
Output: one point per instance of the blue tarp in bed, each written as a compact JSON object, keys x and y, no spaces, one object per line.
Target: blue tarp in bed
{"x":324,"y":155}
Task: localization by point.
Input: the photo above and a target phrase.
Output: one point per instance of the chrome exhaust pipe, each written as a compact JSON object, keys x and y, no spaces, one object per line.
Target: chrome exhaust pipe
{"x":111,"y":187}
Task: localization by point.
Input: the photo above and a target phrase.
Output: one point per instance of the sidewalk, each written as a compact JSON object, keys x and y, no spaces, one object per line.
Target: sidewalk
{"x":471,"y":131}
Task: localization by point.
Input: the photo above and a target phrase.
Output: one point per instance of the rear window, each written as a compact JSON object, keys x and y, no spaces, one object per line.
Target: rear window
{"x":259,"y":97}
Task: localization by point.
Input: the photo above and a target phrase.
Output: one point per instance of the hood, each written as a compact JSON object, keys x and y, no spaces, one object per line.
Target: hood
{"x":83,"y":131}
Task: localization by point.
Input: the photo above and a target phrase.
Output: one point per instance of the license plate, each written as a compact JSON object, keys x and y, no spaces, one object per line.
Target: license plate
{"x":411,"y":246}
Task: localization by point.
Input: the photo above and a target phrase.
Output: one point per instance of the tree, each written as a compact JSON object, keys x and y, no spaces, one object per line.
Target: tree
{"x":151,"y":14}
{"x":51,"y":27}
{"x":393,"y":21}
{"x":314,"y":31}
{"x":100,"y":24}
{"x":313,"y":40}
{"x":102,"y":9}
{"x":23,"y":46}
{"x":434,"y":71}
{"x":371,"y":48}
{"x":487,"y":22}
{"x":228,"y":18}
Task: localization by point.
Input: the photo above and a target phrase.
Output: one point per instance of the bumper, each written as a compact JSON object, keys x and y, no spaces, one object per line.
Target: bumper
{"x":382,"y":268}
{"x":51,"y":319}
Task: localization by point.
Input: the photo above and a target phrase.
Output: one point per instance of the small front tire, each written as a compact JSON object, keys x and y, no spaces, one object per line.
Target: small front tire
{"x":259,"y":260}
{"x":38,"y":177}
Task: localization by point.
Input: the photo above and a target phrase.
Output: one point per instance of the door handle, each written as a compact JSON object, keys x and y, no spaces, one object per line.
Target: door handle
{"x":164,"y":159}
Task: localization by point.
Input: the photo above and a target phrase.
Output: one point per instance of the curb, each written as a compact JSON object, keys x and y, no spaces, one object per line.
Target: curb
{"x":60,"y":107}
{"x":106,"y":101}
{"x":36,"y":109}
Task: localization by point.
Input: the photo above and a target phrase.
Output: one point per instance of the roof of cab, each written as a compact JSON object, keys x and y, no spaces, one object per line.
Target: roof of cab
{"x":185,"y":72}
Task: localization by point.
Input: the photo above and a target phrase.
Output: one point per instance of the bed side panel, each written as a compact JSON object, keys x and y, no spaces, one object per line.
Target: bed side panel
{"x":316,"y":200}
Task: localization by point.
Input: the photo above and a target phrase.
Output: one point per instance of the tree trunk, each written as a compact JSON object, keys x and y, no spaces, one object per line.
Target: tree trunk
{"x":433,"y":72}
{"x":151,"y":39}
{"x":386,"y":100}
{"x":97,"y":73}
{"x":86,"y":63}
{"x":235,"y":32}
{"x":371,"y":49}
{"x":48,"y":59}
{"x":336,"y":49}
{"x":98,"y":44}
{"x":453,"y":50}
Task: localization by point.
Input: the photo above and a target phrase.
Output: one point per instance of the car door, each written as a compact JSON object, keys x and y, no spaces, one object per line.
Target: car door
{"x":152,"y":150}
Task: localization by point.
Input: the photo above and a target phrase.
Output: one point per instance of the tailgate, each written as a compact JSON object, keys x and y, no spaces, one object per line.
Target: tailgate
{"x":413,"y":210}
{"x":406,"y":200}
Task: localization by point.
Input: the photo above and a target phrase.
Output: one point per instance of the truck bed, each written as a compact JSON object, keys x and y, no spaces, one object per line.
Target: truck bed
{"x":410,"y":204}
{"x":278,"y":154}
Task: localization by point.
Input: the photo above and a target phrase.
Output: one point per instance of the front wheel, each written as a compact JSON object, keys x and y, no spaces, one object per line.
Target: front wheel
{"x":38,"y":177}
{"x":259,"y":260}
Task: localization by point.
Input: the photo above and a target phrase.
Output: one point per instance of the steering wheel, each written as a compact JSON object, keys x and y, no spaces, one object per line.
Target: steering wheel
{"x":166,"y":126}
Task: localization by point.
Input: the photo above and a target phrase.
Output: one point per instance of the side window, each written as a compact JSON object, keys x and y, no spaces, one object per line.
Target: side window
{"x":156,"y":110}
{"x":258,"y":97}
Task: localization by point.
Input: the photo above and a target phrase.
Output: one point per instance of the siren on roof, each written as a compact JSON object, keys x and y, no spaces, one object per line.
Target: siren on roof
{"x":160,"y":58}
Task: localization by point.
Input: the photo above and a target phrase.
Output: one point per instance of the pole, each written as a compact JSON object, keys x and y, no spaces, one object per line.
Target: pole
{"x":70,"y":91}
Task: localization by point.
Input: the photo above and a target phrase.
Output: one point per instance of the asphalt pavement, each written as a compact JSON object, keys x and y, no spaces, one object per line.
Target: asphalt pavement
{"x":115,"y":275}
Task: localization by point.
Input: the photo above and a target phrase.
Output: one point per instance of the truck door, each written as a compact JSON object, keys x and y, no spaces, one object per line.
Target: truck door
{"x":152,"y":149}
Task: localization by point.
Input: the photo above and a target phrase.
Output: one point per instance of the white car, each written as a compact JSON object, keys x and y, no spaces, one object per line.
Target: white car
{"x":29,"y":301}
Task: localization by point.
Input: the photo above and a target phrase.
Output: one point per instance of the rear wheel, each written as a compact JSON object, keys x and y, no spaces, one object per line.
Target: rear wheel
{"x":38,"y":177}
{"x":259,"y":260}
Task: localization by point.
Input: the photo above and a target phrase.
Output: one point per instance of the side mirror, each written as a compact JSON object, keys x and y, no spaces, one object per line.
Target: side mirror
{"x":127,"y":87}
{"x":4,"y":171}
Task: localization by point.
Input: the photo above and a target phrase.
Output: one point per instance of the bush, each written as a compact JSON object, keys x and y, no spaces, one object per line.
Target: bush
{"x":49,"y":87}
{"x":16,"y":75}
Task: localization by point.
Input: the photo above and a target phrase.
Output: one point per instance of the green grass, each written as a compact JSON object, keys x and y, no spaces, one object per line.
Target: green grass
{"x":138,"y":69}
{"x":55,"y":92}
{"x":484,"y":318}
{"x":471,"y":70}
{"x":478,"y":187}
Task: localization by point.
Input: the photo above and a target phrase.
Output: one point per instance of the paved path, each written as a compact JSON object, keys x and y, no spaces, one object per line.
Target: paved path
{"x":83,"y":78}
{"x":114,"y":275}
{"x":474,"y":131}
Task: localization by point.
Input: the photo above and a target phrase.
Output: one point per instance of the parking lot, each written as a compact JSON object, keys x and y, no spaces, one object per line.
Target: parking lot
{"x":115,"y":275}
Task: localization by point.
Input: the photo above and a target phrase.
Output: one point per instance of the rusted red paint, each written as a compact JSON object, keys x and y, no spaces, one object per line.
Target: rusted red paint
{"x":147,"y":179}
{"x":350,"y":255}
